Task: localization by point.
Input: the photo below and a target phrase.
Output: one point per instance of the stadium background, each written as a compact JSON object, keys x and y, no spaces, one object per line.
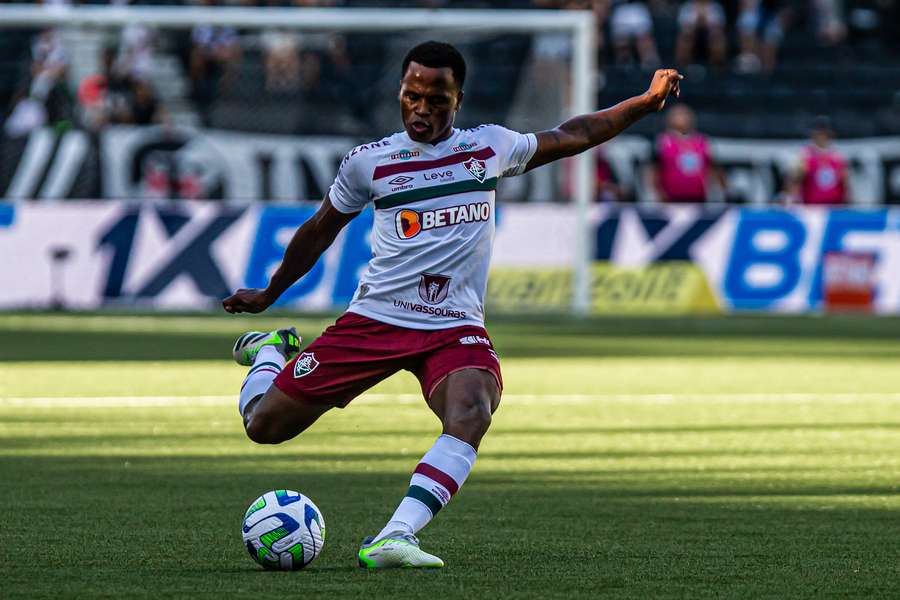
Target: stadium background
{"x":730,"y":437}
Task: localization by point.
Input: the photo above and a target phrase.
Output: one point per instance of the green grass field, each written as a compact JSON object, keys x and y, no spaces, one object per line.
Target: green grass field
{"x":712,"y":458}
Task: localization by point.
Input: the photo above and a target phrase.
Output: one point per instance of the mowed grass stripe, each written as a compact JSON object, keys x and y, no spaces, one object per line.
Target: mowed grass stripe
{"x":523,"y":399}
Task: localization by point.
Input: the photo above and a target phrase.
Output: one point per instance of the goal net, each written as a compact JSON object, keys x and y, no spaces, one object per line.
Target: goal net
{"x":256,"y":106}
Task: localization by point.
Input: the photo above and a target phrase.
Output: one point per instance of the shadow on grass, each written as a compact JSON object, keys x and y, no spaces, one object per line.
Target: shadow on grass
{"x":833,"y":337}
{"x":503,"y":536}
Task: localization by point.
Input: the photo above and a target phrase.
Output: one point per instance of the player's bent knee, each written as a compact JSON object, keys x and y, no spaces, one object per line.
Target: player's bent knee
{"x":263,"y":430}
{"x":470,"y":417}
{"x":269,"y":427}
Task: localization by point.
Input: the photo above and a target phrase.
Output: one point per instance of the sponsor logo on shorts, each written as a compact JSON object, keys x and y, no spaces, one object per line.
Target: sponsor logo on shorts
{"x":411,"y":222}
{"x":476,"y":169}
{"x":405,"y":155}
{"x":433,"y":289}
{"x":475,"y":339}
{"x":464,"y":147}
{"x":425,"y":309}
{"x":306,"y":364}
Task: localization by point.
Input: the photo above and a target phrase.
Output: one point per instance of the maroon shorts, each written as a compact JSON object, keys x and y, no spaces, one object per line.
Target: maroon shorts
{"x":357,"y":352}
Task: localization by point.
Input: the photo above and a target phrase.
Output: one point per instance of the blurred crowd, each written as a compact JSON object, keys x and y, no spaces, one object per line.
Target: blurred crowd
{"x":740,"y":36}
{"x":708,"y":31}
{"x":683,"y":169}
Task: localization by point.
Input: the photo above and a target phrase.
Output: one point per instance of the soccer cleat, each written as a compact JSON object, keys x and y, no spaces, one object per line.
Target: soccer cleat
{"x":286,"y":341}
{"x":396,"y":550}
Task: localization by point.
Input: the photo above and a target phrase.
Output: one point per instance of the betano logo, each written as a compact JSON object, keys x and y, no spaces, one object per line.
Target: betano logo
{"x":410,"y":222}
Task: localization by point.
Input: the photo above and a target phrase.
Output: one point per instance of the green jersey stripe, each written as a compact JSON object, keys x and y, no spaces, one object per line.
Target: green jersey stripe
{"x":435,"y":191}
{"x":425,"y":497}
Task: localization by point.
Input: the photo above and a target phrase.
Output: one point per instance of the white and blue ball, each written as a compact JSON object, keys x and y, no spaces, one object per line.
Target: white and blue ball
{"x":283,"y":530}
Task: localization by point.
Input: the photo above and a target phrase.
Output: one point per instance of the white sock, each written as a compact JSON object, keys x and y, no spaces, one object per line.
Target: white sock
{"x":268,"y":363}
{"x":437,"y":477}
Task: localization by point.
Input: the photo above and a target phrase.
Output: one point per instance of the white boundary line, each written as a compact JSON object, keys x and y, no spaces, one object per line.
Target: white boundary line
{"x":394,"y":399}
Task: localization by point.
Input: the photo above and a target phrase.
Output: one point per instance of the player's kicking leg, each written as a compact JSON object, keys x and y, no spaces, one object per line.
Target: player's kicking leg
{"x":270,"y":416}
{"x":464,"y":402}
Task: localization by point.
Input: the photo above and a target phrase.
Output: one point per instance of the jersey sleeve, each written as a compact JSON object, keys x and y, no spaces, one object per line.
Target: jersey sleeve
{"x":513,"y":149}
{"x":350,"y":191}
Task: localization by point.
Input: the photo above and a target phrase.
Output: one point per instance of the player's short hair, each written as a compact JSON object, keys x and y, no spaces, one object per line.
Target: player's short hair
{"x":437,"y":55}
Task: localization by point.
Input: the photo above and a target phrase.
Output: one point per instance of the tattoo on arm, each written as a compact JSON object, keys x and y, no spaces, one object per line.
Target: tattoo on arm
{"x":586,"y":131}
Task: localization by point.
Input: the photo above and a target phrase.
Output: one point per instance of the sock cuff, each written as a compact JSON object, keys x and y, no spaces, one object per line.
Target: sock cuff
{"x":269,"y":354}
{"x":452,"y":444}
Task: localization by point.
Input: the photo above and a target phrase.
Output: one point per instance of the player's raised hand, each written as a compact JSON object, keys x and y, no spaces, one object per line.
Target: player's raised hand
{"x":665,"y":82}
{"x":247,"y":300}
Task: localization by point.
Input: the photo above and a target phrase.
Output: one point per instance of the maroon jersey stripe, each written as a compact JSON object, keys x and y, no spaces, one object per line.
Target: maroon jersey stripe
{"x":439,"y":476}
{"x":423,"y":165}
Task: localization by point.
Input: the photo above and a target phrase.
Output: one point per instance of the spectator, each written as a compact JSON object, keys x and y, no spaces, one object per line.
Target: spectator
{"x":113,"y":97}
{"x":701,"y":24}
{"x":821,"y":175}
{"x":830,"y":27}
{"x":136,"y":48}
{"x":215,"y":53}
{"x":607,"y":186}
{"x":682,"y":163}
{"x":49,"y":63}
{"x":631,"y":26}
{"x":761,"y":25}
{"x":145,"y":108}
{"x":47,"y":99}
{"x":281,"y":55}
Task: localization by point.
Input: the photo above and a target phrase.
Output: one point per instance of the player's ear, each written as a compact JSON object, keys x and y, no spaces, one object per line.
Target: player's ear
{"x":459,"y":99}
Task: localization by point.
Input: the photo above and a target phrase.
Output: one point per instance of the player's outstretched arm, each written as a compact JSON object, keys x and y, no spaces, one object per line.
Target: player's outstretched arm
{"x":309,"y":242}
{"x":586,"y":131}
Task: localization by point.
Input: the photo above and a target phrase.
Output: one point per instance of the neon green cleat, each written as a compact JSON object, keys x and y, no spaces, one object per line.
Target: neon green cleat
{"x":286,"y":341}
{"x":396,"y":550}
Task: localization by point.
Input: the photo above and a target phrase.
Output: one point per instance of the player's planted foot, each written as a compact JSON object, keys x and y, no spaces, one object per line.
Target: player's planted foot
{"x":396,"y":550}
{"x":286,"y":341}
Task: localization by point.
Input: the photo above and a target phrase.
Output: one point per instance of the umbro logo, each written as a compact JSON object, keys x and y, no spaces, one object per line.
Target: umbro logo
{"x":403,"y":179}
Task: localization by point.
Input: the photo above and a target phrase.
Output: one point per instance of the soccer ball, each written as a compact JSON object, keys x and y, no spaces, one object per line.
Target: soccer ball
{"x":283,"y":530}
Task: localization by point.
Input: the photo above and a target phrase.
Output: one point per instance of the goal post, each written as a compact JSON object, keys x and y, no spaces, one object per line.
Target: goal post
{"x":579,"y":25}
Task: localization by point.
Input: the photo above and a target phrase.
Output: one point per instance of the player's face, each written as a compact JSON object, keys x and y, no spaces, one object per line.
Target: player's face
{"x":681,"y":120}
{"x":429,"y":99}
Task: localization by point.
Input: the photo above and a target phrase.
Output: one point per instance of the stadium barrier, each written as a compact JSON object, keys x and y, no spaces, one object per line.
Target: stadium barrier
{"x":664,"y":260}
{"x":162,"y":162}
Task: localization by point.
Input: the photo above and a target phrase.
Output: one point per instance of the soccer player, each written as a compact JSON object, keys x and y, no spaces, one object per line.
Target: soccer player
{"x":682,"y":161}
{"x":821,"y":175}
{"x":419,"y":304}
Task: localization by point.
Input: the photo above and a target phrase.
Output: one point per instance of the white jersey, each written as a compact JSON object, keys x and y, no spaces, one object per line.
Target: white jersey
{"x":434,"y":222}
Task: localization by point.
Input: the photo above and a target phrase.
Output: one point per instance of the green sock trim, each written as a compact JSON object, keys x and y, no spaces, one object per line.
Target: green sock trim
{"x":425,"y":497}
{"x":258,"y":366}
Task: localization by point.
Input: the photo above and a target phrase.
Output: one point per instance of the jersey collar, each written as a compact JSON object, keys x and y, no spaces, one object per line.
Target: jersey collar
{"x":453,"y":133}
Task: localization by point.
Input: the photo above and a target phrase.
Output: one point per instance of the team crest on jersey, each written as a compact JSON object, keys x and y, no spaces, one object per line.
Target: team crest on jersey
{"x":306,"y":364}
{"x":476,"y":169}
{"x":433,"y":289}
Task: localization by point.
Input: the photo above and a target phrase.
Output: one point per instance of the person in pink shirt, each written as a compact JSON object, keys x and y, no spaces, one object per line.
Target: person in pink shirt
{"x":682,"y":161}
{"x":820,"y":176}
